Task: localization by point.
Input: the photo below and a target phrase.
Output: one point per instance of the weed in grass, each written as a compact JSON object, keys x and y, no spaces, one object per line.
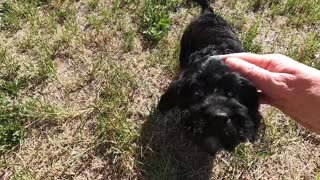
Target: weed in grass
{"x":11,"y":128}
{"x":249,"y":39}
{"x":156,"y":18}
{"x":155,"y":23}
{"x":15,"y":116}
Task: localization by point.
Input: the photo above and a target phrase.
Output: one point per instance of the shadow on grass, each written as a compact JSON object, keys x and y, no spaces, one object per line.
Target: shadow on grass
{"x":167,"y":154}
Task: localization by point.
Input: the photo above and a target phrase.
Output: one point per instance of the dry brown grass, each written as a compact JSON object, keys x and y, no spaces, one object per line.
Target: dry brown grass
{"x":89,"y":62}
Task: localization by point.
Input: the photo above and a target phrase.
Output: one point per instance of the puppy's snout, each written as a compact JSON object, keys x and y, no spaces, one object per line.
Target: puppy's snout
{"x":222,"y":115}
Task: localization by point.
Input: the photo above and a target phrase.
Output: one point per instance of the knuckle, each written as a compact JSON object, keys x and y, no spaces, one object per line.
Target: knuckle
{"x":251,"y":69}
{"x":278,"y":56}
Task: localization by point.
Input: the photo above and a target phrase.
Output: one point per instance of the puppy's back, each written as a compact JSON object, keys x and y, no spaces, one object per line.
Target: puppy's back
{"x":209,"y":29}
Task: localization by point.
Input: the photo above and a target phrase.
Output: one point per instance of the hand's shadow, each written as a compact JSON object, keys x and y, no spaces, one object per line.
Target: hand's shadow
{"x":168,"y":154}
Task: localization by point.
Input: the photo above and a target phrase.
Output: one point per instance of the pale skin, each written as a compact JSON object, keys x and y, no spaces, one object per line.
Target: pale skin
{"x":284,"y":83}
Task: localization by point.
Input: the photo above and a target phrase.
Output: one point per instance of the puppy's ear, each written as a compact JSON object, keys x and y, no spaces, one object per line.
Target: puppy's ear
{"x":181,"y":93}
{"x":169,"y":99}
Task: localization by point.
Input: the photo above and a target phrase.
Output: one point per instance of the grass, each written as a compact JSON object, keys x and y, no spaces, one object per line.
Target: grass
{"x":129,"y":37}
{"x":12,"y":15}
{"x":116,"y":132}
{"x":163,"y":168}
{"x":15,"y":113}
{"x":308,"y":50}
{"x":249,"y":42}
{"x":79,"y":81}
{"x":299,"y":12}
{"x":93,"y":4}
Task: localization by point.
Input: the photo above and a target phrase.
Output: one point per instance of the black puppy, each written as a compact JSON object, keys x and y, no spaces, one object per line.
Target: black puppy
{"x":219,"y":108}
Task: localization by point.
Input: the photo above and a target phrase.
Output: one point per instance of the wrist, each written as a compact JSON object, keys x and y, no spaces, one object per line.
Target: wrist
{"x":306,"y":109}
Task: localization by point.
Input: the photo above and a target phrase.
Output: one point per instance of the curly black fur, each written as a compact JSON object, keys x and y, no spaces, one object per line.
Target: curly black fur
{"x":219,"y":107}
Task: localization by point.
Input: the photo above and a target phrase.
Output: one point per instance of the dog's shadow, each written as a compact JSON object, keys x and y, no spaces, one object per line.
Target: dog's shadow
{"x":167,"y":153}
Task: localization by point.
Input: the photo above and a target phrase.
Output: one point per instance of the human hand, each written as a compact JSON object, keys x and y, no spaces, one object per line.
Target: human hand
{"x":284,"y":83}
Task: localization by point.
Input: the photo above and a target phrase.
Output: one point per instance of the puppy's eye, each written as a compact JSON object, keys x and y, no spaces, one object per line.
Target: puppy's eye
{"x":188,"y":128}
{"x":229,"y":122}
{"x":238,"y":120}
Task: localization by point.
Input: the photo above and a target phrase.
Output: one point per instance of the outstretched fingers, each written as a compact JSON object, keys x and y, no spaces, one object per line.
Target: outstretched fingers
{"x":261,"y":61}
{"x":259,"y":76}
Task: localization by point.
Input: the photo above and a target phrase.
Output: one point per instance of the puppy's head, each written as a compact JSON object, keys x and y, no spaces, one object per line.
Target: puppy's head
{"x":219,"y":108}
{"x":218,"y":123}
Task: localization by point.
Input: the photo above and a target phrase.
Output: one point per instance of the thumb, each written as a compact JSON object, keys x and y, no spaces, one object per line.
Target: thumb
{"x":260,"y":77}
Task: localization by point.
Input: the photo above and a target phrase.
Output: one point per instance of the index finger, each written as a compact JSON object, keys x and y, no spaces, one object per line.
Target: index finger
{"x":270,"y":62}
{"x":261,"y":61}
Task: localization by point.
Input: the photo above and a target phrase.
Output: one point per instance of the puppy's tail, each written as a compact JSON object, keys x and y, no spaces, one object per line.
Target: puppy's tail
{"x":205,"y":5}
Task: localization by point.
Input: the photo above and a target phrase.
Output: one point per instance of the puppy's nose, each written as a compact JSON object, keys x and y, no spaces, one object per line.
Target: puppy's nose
{"x":223,"y":118}
{"x":212,"y":145}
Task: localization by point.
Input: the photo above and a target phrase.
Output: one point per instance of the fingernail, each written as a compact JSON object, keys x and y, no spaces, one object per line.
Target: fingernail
{"x":230,"y":59}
